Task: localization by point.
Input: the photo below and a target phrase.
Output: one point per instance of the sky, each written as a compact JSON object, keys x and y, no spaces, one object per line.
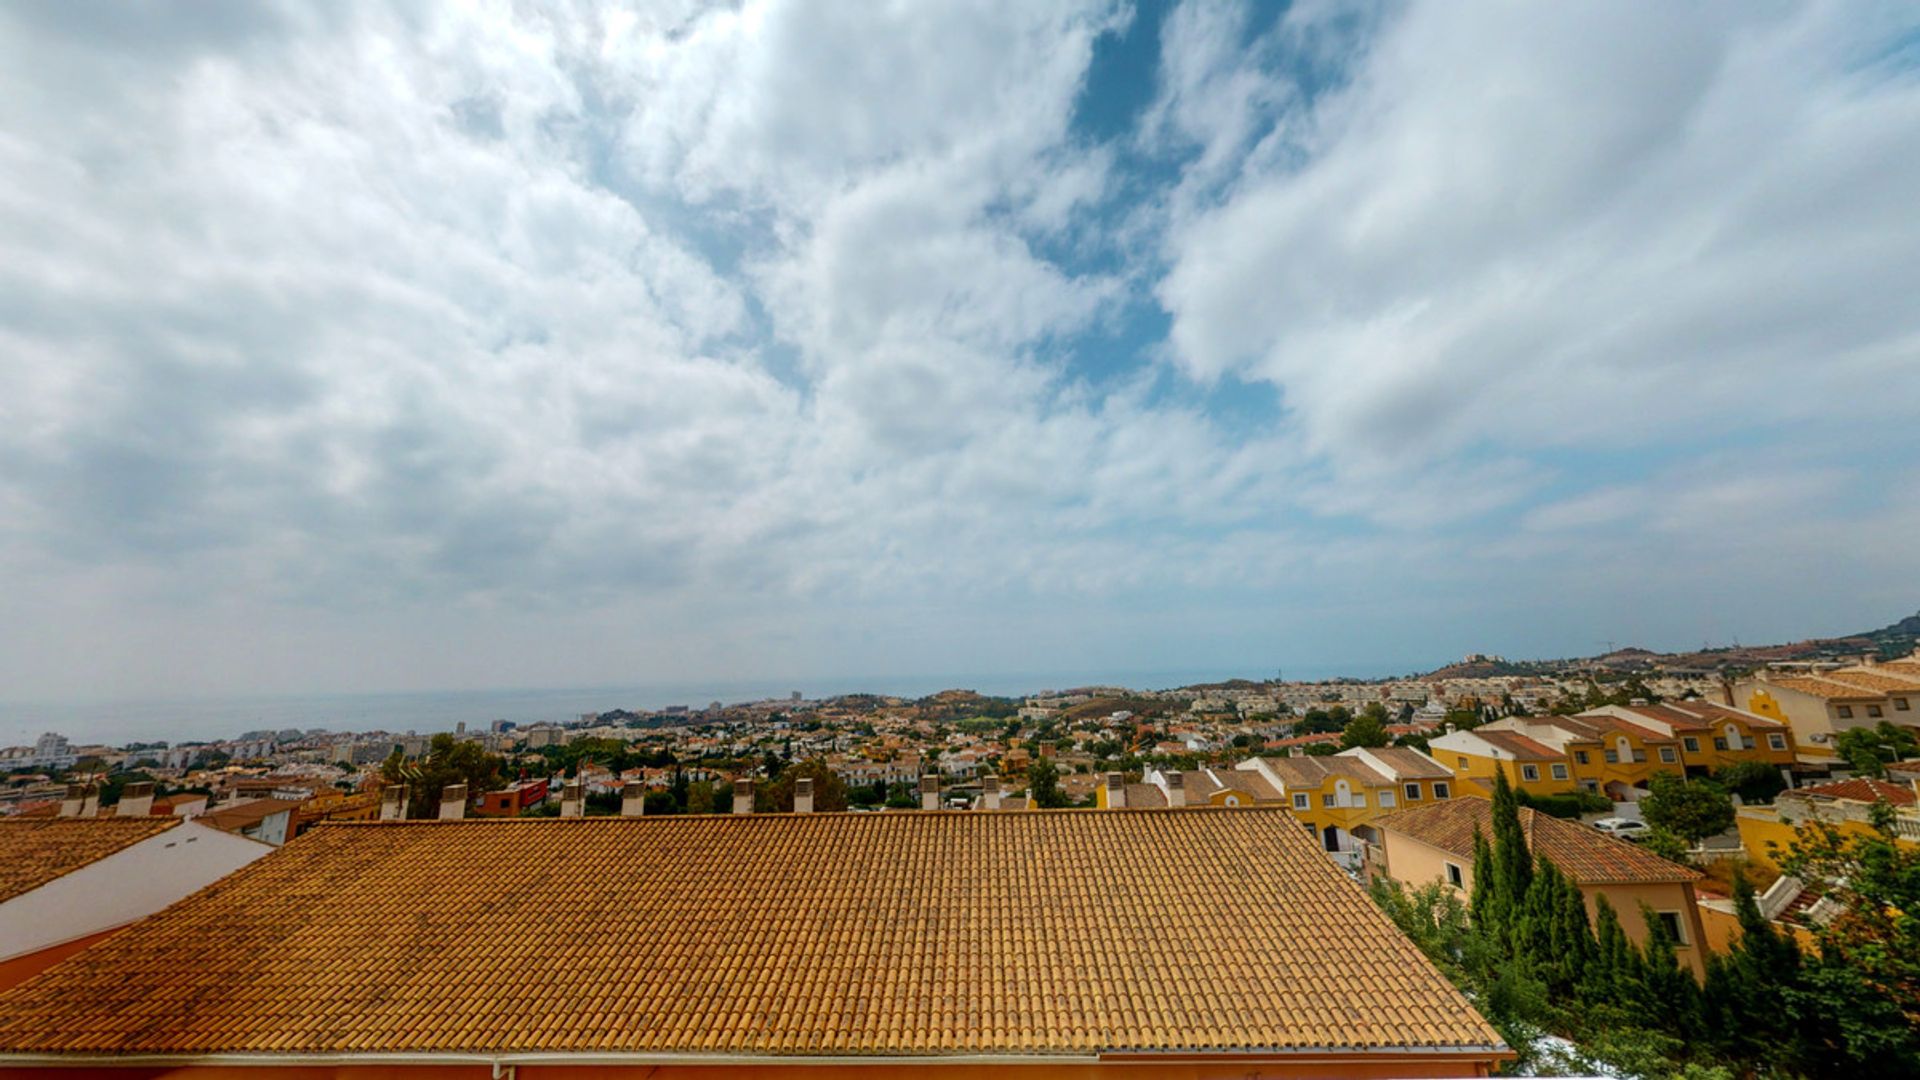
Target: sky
{"x":360,"y":346}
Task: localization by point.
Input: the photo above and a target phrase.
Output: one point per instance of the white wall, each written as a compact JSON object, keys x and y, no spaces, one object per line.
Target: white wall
{"x":129,"y":884}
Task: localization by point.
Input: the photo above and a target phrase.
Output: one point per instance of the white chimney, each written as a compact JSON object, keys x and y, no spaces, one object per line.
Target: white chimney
{"x":136,"y":799}
{"x":1176,"y":788}
{"x":990,"y":791}
{"x":75,"y":800}
{"x":453,"y":802}
{"x":393,"y":802}
{"x":743,"y":796}
{"x":1116,"y":791}
{"x":803,"y":795}
{"x":930,"y":792}
{"x":633,"y":800}
{"x":573,"y":800}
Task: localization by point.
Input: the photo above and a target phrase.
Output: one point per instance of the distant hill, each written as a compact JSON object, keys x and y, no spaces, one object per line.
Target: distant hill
{"x":1896,"y":639}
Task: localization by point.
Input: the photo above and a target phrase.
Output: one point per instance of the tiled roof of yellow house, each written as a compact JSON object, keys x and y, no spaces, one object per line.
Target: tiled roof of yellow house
{"x":1518,"y":745}
{"x":1906,"y":665}
{"x":1887,"y":682}
{"x":1709,"y":712}
{"x":1822,"y":688}
{"x":1582,"y":853}
{"x":899,"y":934}
{"x":36,"y":850}
{"x":1410,"y":764}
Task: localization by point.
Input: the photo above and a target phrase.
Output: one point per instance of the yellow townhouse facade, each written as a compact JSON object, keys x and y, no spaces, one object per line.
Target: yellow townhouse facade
{"x":1616,"y":750}
{"x":1819,"y":706}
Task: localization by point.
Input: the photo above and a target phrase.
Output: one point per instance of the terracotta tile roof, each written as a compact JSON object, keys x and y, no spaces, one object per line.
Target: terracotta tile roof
{"x":1862,"y":790}
{"x":1521,"y":747}
{"x":1822,"y":688}
{"x":243,"y":815}
{"x":1711,"y":712}
{"x":1886,"y":682}
{"x":1410,"y":764}
{"x":1906,"y":665}
{"x":36,"y":850}
{"x":1582,"y":853}
{"x":914,"y":934}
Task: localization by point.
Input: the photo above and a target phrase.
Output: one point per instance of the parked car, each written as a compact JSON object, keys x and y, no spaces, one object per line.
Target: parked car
{"x":1624,"y":828}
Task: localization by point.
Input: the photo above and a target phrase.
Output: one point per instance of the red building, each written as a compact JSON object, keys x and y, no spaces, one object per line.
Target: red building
{"x":513,"y":800}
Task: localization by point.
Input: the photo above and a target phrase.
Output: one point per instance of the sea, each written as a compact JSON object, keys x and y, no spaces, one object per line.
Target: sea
{"x":117,"y":722}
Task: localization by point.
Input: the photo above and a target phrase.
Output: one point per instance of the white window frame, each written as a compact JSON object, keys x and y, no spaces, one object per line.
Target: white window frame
{"x":1667,"y":755}
{"x":1530,"y":772}
{"x":1455,"y":876}
{"x":1327,"y":800}
{"x":1776,"y":741}
{"x":1413,"y":792}
{"x":1387,"y":801}
{"x":1559,"y":771}
{"x":1301,"y":801}
{"x":1441,"y":790}
{"x":1692,"y":744}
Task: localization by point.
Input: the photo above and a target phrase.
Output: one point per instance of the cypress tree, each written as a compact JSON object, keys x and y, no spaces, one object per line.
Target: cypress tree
{"x":1669,"y":994}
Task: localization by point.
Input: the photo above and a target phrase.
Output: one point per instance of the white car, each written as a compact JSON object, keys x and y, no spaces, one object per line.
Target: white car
{"x":1624,"y":828}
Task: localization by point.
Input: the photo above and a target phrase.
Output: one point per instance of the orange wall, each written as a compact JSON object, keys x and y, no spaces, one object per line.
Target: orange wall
{"x":20,"y":968}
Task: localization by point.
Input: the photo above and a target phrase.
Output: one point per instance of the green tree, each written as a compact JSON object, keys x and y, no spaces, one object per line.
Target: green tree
{"x":1753,"y":781}
{"x":1870,"y":750}
{"x":447,"y":761}
{"x":1866,"y":975}
{"x":1367,"y":729}
{"x":1043,"y":785}
{"x":829,"y":793}
{"x":1690,"y":809}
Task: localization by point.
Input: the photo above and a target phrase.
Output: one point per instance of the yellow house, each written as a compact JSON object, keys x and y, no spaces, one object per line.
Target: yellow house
{"x":1819,"y":707}
{"x":1530,"y":765}
{"x":1616,"y":750}
{"x":1340,"y":796}
{"x":1768,"y":831}
{"x":1435,"y":843}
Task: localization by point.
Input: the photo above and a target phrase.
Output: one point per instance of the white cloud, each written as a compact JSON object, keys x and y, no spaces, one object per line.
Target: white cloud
{"x":1593,"y":224}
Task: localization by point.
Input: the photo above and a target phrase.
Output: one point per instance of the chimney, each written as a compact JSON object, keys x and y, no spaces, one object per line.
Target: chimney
{"x":990,"y":791}
{"x":90,"y":801}
{"x":743,"y":796}
{"x":1176,"y":788}
{"x":930,"y":792}
{"x":1116,"y":791}
{"x":75,"y":800}
{"x":393,"y":802}
{"x":453,"y":802}
{"x":633,"y":800}
{"x":573,"y":800}
{"x":136,"y":799}
{"x":803,"y":795}
{"x":1870,"y":659}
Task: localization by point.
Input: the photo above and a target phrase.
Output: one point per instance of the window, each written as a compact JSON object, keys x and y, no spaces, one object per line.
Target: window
{"x":1454,"y":877}
{"x":1559,"y":772}
{"x":1529,"y":772}
{"x":1845,"y":711}
{"x":1301,"y":802}
{"x":1874,"y":710}
{"x":1590,"y":785}
{"x":1413,"y":792}
{"x":1667,"y":755}
{"x":1692,"y":744}
{"x":1386,"y":800}
{"x":1613,"y":758}
{"x":1776,"y":741}
{"x":1899,"y":704}
{"x":1359,"y":799}
{"x":1463,"y":763}
{"x":1580,"y":756}
{"x":1440,"y":790}
{"x":1327,"y":799}
{"x":1672,"y":921}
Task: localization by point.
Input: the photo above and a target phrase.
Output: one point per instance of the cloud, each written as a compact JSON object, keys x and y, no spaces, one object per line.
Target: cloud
{"x":536,"y":343}
{"x":1599,"y":224}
